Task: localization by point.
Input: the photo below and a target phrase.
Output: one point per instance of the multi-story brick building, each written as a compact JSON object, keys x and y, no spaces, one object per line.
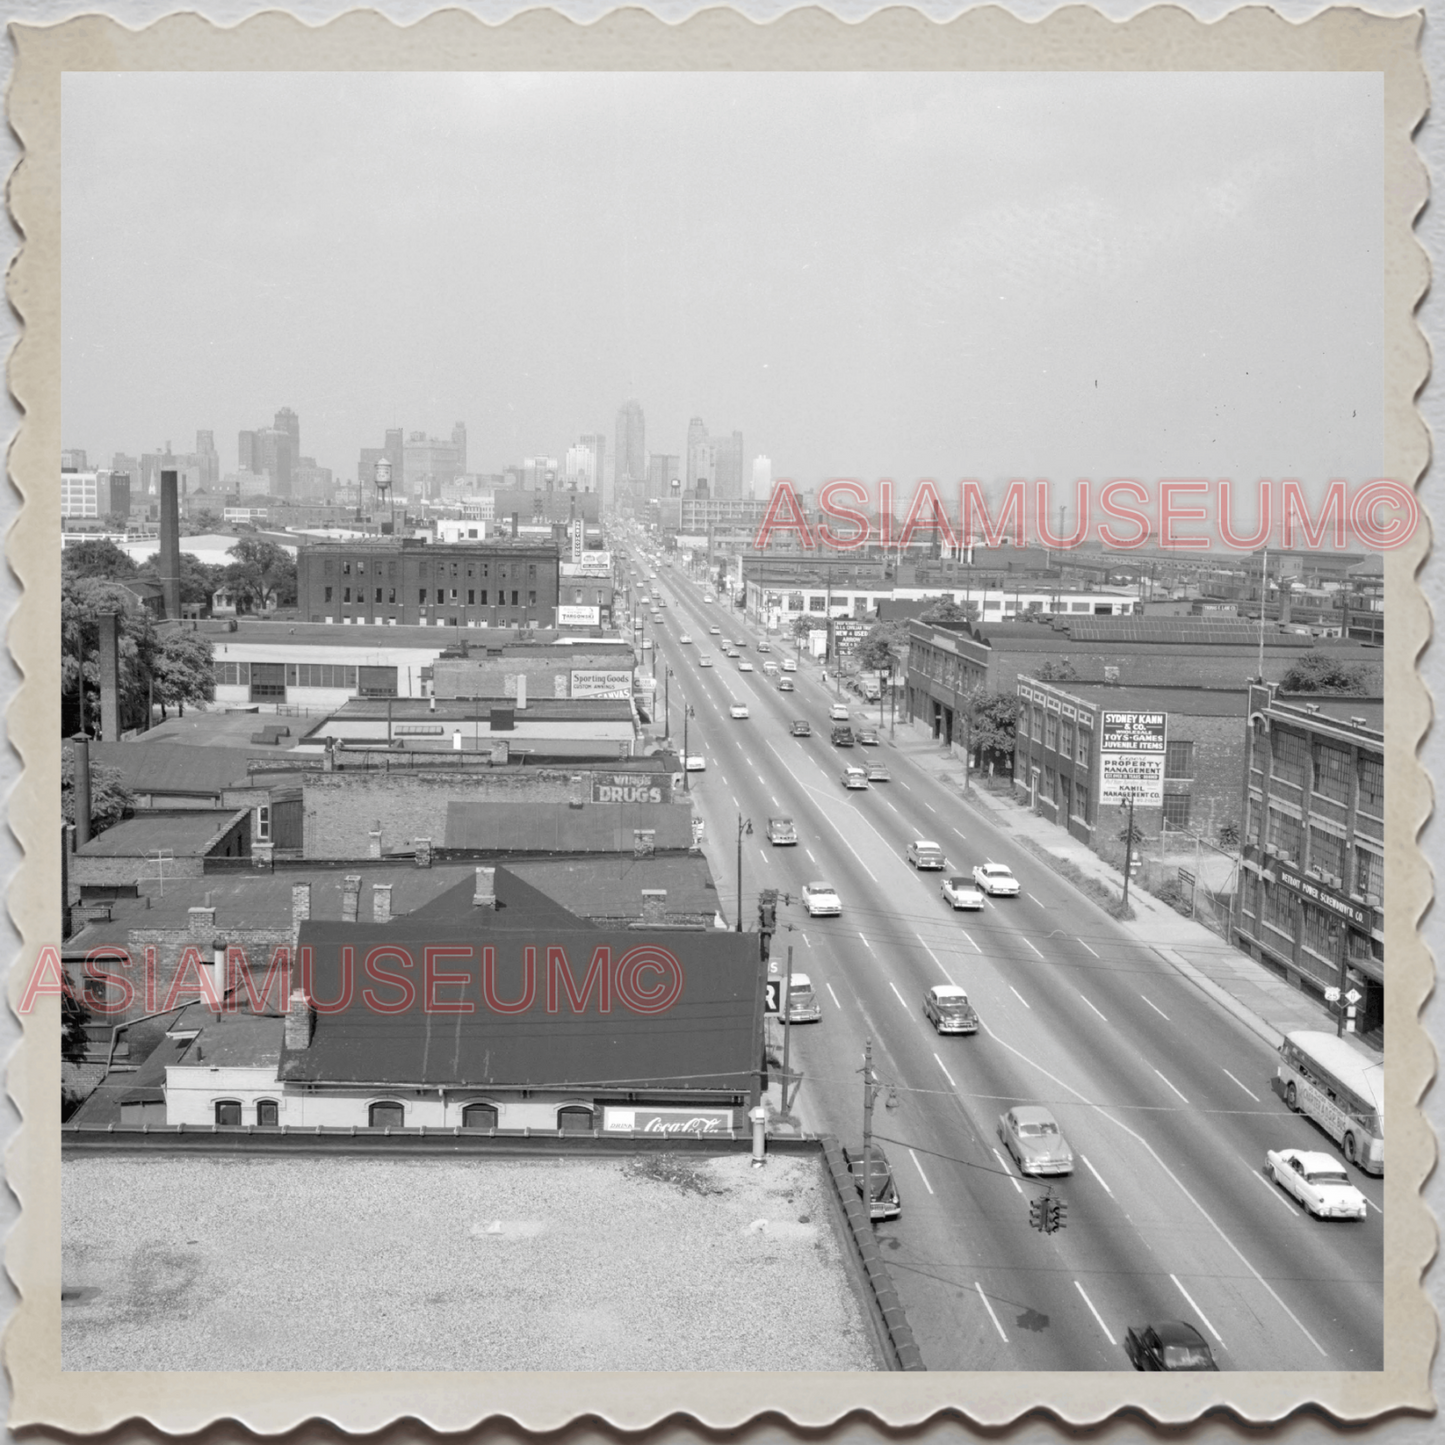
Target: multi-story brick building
{"x":410,"y":583}
{"x":1312,"y":887}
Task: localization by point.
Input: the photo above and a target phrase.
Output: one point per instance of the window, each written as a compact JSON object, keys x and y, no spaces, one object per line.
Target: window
{"x":1321,"y":933}
{"x":1179,"y":760}
{"x":1289,"y":757}
{"x":1372,"y":786}
{"x":346,"y":569}
{"x":1066,"y":739}
{"x":1051,"y":731}
{"x":1051,"y":789}
{"x":1176,"y":809}
{"x":483,"y":595}
{"x":232,"y":674}
{"x":441,"y":595}
{"x":574,"y":1119}
{"x":268,"y":1113}
{"x":471,"y":596}
{"x":421,"y":596}
{"x":1086,"y":744}
{"x":532,"y":598}
{"x":479,"y":1116}
{"x":391,"y":596}
{"x":328,"y":591}
{"x":514,"y":596}
{"x":268,"y":680}
{"x":346,"y":594}
{"x":815,"y":604}
{"x":378,"y":594}
{"x":1369,"y":873}
{"x":386,"y":1115}
{"x":1022,"y":728}
{"x":375,"y":681}
{"x":1332,"y":773}
{"x":228,"y":1112}
{"x":1327,"y":852}
{"x":1285,"y":833}
{"x":532,"y":572}
{"x":319,"y":674}
{"x":263,"y":822}
{"x":1277,"y":907}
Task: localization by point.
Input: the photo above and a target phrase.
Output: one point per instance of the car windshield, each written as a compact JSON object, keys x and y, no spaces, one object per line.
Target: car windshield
{"x":1032,"y":1128}
{"x":1186,"y":1357}
{"x":958,"y":883}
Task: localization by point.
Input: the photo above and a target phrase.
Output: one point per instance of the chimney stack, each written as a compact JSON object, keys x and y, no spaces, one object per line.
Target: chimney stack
{"x":485,"y":895}
{"x":516,"y":526}
{"x":300,"y":906}
{"x":80,"y":757}
{"x":423,"y":852}
{"x":299,"y":1021}
{"x":374,"y":847}
{"x":109,"y":677}
{"x":200,"y":922}
{"x":381,"y":902}
{"x":654,"y":907}
{"x":169,"y":560}
{"x":350,"y":897}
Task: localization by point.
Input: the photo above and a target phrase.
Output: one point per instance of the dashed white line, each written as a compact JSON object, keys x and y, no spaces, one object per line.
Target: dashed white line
{"x":935,"y":958}
{"x":991,"y":1314}
{"x":971,"y":943}
{"x":829,"y":987}
{"x":1036,"y":900}
{"x":1098,"y":1176}
{"x":1095,"y":1313}
{"x":924,"y":1177}
{"x":929,"y":806}
{"x":1032,"y":946}
{"x":1156,"y":1008}
{"x":891,"y":806}
{"x":897,"y":995}
{"x":902,"y":784}
{"x":1171,"y":1086}
{"x":946,"y":1074}
{"x":809,"y":852}
{"x":776,"y":803}
{"x":1274,"y":1190}
{"x":1020,"y":998}
{"x":1196,"y":1309}
{"x":1095,"y":1010}
{"x":1250,"y":1092}
{"x":1005,"y":1169}
{"x":1085,"y":945}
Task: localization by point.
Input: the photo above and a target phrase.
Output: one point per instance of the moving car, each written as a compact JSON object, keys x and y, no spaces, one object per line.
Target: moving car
{"x":855,"y":778}
{"x":685,"y":640}
{"x":696,"y":763}
{"x":962,"y":893}
{"x":838,"y":712}
{"x":800,"y":727}
{"x":770,"y":667}
{"x":867,"y":738}
{"x":947,"y":1008}
{"x":996,"y":880}
{"x":1318,"y":1181}
{"x":803,"y":1005}
{"x":764,"y":645}
{"x":714,"y":632}
{"x":708,"y":597}
{"x":745,"y":666}
{"x":789,"y":665}
{"x":1169,"y":1345}
{"x":878,"y":773}
{"x":881,"y":1195}
{"x":821,"y":900}
{"x":842,"y":735}
{"x":1031,"y":1135}
{"x":785,"y":684}
{"x":704,"y":662}
{"x":923,"y":854}
{"x":781,"y":831}
{"x":738,"y":710}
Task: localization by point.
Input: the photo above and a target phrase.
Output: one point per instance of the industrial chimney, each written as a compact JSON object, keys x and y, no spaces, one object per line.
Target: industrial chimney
{"x":169,"y":561}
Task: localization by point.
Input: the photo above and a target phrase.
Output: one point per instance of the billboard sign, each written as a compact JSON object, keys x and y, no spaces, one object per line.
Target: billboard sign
{"x":579,"y":616}
{"x":599,"y":682}
{"x":632,"y":787}
{"x":578,"y":527}
{"x":666,"y":1121}
{"x":1131,"y":758}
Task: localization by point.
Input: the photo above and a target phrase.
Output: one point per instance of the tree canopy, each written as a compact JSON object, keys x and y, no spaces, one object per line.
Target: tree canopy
{"x":261,"y":567}
{"x":1318,"y":671}
{"x":96,"y":557}
{"x":110,"y":799}
{"x":945,"y":610}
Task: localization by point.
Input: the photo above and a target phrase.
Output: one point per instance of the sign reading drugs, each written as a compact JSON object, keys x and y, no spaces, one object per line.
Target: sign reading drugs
{"x":598,"y":682}
{"x":1131,"y":758}
{"x":632,"y":787}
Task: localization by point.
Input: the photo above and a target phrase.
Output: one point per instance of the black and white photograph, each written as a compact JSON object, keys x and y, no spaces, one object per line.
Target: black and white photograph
{"x":730,"y":720}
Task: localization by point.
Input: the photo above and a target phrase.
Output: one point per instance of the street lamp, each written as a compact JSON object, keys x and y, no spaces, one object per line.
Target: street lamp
{"x":687,"y":712}
{"x":666,"y":703}
{"x":744,"y":826}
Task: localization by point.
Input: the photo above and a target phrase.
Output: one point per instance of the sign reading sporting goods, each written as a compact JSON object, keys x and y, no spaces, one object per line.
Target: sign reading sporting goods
{"x":597,"y":682}
{"x":1131,"y":758}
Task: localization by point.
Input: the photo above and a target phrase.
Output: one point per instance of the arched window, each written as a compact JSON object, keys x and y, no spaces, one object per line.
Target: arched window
{"x":228,"y":1111}
{"x":574,"y":1119}
{"x":479,"y":1116}
{"x":386,"y":1115}
{"x":268,"y":1113}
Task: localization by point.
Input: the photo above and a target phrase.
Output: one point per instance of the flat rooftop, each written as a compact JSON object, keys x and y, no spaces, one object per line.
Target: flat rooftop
{"x":650,"y":1261}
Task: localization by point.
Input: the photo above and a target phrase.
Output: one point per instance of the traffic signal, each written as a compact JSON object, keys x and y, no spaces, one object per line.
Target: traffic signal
{"x":1054,"y":1216}
{"x":1038,"y":1213}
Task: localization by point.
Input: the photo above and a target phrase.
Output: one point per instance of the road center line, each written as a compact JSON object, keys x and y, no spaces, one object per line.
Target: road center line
{"x":1032,"y":946}
{"x":1250,"y":1092}
{"x":1005,"y":1169}
{"x":1020,"y":998}
{"x":1036,"y":900}
{"x":898,"y":995}
{"x":829,"y":987}
{"x":991,"y":1314}
{"x":1097,"y":1176}
{"x":946,"y":1074}
{"x":1095,"y":1313}
{"x":1196,"y":1309}
{"x":971,"y":943}
{"x":1085,"y":945}
{"x":866,"y":944}
{"x":902,"y":784}
{"x":1171,"y":1086}
{"x":1156,"y":1008}
{"x":1095,"y":1010}
{"x":921,"y":1174}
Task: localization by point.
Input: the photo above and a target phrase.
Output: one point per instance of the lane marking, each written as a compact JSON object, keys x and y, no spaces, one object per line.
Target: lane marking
{"x":1020,"y":998}
{"x":935,"y":958}
{"x":1171,"y":1086}
{"x":1250,"y":1092}
{"x":902,"y":784}
{"x":898,"y":995}
{"x":929,"y":806}
{"x":921,"y":1174}
{"x":891,"y":806}
{"x":1275,"y":1192}
{"x":1095,"y":1010}
{"x":1036,"y":900}
{"x":829,"y":987}
{"x":991,"y":1314}
{"x":1156,"y":1008}
{"x":1081,"y":942}
{"x":1196,"y":1309}
{"x":946,"y":1074}
{"x":971,"y":943}
{"x":1174,"y":1178}
{"x":866,"y":944}
{"x":776,"y":803}
{"x":1031,"y":946}
{"x":1097,"y":1176}
{"x":1006,"y":1170}
{"x":1095,"y":1313}
{"x":809,"y":852}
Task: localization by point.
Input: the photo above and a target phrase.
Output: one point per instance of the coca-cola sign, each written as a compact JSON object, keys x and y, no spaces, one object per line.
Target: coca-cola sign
{"x":667,"y":1121}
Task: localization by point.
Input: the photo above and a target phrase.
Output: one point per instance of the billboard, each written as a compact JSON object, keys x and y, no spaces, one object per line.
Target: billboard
{"x":1131,"y":757}
{"x":578,"y":616}
{"x":666,"y":1121}
{"x":602,"y":682}
{"x":632,"y":787}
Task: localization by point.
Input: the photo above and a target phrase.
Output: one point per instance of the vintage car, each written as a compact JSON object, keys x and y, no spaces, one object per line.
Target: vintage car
{"x":1318,"y":1181}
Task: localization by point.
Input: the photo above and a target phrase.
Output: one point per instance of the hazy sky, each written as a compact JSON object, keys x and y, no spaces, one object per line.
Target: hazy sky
{"x":922,"y":275}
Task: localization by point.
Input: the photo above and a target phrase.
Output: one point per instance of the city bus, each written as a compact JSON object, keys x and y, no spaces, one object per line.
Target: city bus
{"x":1342,"y":1089}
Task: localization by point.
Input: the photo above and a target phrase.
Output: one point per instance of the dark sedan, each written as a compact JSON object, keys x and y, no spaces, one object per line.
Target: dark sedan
{"x":1169,"y":1345}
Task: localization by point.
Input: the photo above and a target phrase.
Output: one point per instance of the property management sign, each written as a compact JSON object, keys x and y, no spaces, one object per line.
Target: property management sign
{"x":1131,"y":758}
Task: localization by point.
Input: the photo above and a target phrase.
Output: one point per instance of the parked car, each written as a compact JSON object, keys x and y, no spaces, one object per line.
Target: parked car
{"x":880,"y":1193}
{"x":785,"y":684}
{"x":789,"y":665}
{"x":696,"y":763}
{"x":962,"y":893}
{"x":996,"y":880}
{"x":821,"y":900}
{"x":800,"y":727}
{"x":1169,"y":1345}
{"x":842,"y":735}
{"x":1031,"y":1135}
{"x":854,"y":778}
{"x":923,"y":854}
{"x":947,"y":1008}
{"x":867,"y":738}
{"x":738,"y":710}
{"x":838,"y":712}
{"x":781,"y":831}
{"x":878,"y":773}
{"x":803,"y":1005}
{"x":1318,"y":1181}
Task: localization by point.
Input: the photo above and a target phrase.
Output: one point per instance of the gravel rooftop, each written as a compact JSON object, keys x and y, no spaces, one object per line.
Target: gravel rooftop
{"x":653,"y":1262}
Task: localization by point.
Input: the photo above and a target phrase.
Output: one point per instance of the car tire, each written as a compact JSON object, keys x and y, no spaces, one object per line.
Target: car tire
{"x":1291,"y":1096}
{"x":1350,"y":1150}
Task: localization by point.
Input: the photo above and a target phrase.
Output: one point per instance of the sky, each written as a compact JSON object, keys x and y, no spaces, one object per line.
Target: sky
{"x":869,"y":275}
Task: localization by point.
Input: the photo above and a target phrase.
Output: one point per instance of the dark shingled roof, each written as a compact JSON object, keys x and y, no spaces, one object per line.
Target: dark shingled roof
{"x":168,"y":767}
{"x":185,"y":834}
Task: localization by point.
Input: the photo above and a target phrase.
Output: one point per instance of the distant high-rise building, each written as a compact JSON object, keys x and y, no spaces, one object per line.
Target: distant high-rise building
{"x":583,"y":467}
{"x":726,"y":471}
{"x":762,"y":478}
{"x":662,"y":471}
{"x":630,"y":447}
{"x":430,"y":462}
{"x":73,"y":460}
{"x":288,"y":422}
{"x":696,"y":450}
{"x":245,"y":452}
{"x":459,"y":441}
{"x":207,"y":460}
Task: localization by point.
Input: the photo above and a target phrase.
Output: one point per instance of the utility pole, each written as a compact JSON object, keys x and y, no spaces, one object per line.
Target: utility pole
{"x":870,"y":1090}
{"x":787,"y":1030}
{"x":1128,"y":849}
{"x":666,"y":703}
{"x":686,"y":779}
{"x":742,"y":827}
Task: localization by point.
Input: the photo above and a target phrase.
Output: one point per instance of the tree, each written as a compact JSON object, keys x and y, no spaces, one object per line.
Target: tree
{"x":73,"y":1018}
{"x":1228,"y":833}
{"x":182,"y":670}
{"x":947,"y":612}
{"x":992,"y":725}
{"x":261,"y":567}
{"x":1318,"y":671}
{"x":1061,"y":671}
{"x":199,"y":580}
{"x":110,"y":799}
{"x":82,"y":602}
{"x":96,"y":557}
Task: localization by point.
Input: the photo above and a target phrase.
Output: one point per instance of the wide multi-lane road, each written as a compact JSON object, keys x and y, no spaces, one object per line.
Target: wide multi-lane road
{"x":1165,"y":1099}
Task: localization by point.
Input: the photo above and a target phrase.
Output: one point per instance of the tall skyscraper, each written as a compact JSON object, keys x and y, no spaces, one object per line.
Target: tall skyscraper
{"x":662,"y":471}
{"x":762,"y":478}
{"x":630,"y":452}
{"x":459,"y":441}
{"x":287,"y":421}
{"x":696,"y":451}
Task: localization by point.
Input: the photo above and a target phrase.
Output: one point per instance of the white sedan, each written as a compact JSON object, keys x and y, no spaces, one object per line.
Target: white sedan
{"x":962,"y":893}
{"x":704,"y":662}
{"x":789,"y":665}
{"x":738,"y":710}
{"x":685,"y":640}
{"x":696,"y":763}
{"x":745,"y":667}
{"x":1318,"y":1181}
{"x":714,"y":632}
{"x":995,"y":878}
{"x":821,"y":900}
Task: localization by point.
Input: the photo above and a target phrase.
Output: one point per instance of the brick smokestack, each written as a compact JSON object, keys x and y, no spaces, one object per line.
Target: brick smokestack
{"x":80,"y":762}
{"x":654,"y":907}
{"x":169,"y":561}
{"x":109,"y":677}
{"x":300,"y":905}
{"x":381,"y":902}
{"x":298,"y":1021}
{"x":485,"y":893}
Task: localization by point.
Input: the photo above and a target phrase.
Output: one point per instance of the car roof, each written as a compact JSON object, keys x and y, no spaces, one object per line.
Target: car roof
{"x":925,"y":843}
{"x":948,"y":990}
{"x":800,"y":980}
{"x":996,"y":868}
{"x":959,"y":878}
{"x":1177,"y":1332}
{"x":827,"y":887}
{"x":780,"y":820}
{"x":1312,"y":1160}
{"x":1032,"y":1114}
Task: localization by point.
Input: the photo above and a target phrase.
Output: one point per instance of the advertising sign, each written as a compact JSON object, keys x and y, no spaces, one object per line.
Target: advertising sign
{"x":666,"y":1121}
{"x":578,"y":616}
{"x":578,"y":527}
{"x":1131,"y":758}
{"x":632,"y":787}
{"x":597,"y":682}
